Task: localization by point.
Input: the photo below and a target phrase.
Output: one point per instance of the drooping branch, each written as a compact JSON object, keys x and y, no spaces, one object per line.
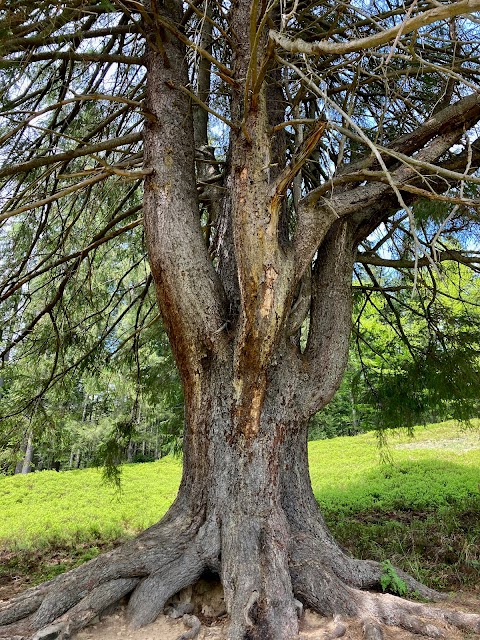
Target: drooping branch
{"x":16,"y":44}
{"x":80,"y":151}
{"x":71,"y":56}
{"x":100,"y":238}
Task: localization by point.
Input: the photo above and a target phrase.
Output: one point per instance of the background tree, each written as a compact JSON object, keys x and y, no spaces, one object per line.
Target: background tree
{"x":417,"y":356}
{"x":326,"y":123}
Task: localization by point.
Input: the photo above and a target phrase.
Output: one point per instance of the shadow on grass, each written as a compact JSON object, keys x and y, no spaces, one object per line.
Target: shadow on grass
{"x":423,"y":516}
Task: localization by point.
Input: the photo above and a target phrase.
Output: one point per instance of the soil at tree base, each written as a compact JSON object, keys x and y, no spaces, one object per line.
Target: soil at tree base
{"x":313,"y":626}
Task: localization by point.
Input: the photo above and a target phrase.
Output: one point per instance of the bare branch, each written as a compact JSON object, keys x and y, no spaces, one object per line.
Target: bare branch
{"x":43,"y":161}
{"x":437,"y":256}
{"x":443,"y":12}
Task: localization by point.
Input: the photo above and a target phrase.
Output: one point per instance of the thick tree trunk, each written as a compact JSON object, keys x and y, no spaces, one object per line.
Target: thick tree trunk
{"x":245,"y":508}
{"x":246,"y":511}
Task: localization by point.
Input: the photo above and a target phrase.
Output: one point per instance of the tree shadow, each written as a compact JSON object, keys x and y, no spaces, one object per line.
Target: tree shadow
{"x":422,"y":515}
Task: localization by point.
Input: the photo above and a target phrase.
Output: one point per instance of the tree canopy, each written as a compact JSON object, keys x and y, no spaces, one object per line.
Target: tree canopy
{"x":375,"y":101}
{"x":289,"y":165}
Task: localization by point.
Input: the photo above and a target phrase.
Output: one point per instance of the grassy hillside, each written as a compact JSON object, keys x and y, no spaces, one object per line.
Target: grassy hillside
{"x":416,"y":503}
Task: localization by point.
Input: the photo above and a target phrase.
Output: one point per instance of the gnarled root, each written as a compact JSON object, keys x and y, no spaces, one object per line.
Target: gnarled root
{"x":324,"y":592}
{"x":153,"y":567}
{"x":372,"y":630}
{"x":266,"y":570}
{"x":256,"y":578}
{"x":194,"y":623}
{"x":366,"y":574}
{"x":315,"y":542}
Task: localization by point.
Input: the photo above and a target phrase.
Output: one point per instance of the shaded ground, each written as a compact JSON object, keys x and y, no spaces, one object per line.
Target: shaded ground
{"x":22,"y":569}
{"x":19,"y":571}
{"x":313,"y":626}
{"x":207,"y":600}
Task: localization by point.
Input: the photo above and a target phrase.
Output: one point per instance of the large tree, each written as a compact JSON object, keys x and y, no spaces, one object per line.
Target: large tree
{"x":282,"y":145}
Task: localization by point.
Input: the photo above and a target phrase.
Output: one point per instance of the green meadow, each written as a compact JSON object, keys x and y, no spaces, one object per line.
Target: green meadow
{"x":415,"y":502}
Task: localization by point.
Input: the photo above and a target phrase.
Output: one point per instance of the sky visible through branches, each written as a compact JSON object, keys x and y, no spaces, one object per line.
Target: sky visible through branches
{"x":394,"y":82}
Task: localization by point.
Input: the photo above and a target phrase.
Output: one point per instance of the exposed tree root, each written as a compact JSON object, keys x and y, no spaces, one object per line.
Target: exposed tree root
{"x":325,"y":593}
{"x":338,"y":630}
{"x":153,"y":567}
{"x":362,"y":574}
{"x":267,"y":574}
{"x":86,"y":610}
{"x":372,"y":630}
{"x":366,"y":574}
{"x":147,"y":601}
{"x":194,"y":623}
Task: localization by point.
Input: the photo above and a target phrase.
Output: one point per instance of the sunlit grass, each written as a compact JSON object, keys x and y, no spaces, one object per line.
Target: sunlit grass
{"x":440,"y":465}
{"x":416,"y":502}
{"x":50,"y":508}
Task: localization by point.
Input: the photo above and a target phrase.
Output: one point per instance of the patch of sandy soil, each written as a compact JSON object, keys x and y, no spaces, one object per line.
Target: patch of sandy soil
{"x":207,"y":600}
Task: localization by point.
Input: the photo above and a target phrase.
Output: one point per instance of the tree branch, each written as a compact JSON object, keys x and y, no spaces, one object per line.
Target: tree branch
{"x":326,"y":353}
{"x":464,"y":7}
{"x":43,"y":161}
{"x":438,"y":256}
{"x":5,"y":63}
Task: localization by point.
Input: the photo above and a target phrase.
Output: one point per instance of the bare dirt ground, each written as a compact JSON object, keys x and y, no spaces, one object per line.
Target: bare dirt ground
{"x":209,"y":608}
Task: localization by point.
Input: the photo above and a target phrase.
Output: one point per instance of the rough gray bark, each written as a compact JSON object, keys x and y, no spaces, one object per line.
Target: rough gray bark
{"x":27,"y":461}
{"x":23,"y":465}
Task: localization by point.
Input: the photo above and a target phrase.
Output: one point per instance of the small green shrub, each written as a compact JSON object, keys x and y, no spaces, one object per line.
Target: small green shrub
{"x":390,"y":580}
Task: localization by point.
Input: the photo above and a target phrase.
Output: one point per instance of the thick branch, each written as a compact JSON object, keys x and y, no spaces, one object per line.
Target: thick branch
{"x":316,"y":213}
{"x":189,"y":291}
{"x":439,"y":256}
{"x":264,"y":262}
{"x":383,"y":37}
{"x":459,"y":117}
{"x":368,"y":201}
{"x":326,"y":353}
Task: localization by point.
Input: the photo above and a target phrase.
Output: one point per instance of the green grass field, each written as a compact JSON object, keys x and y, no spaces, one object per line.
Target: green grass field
{"x":416,"y":503}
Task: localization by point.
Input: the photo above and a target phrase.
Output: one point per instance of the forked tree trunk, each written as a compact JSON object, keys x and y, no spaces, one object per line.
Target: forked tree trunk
{"x":245,"y":507}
